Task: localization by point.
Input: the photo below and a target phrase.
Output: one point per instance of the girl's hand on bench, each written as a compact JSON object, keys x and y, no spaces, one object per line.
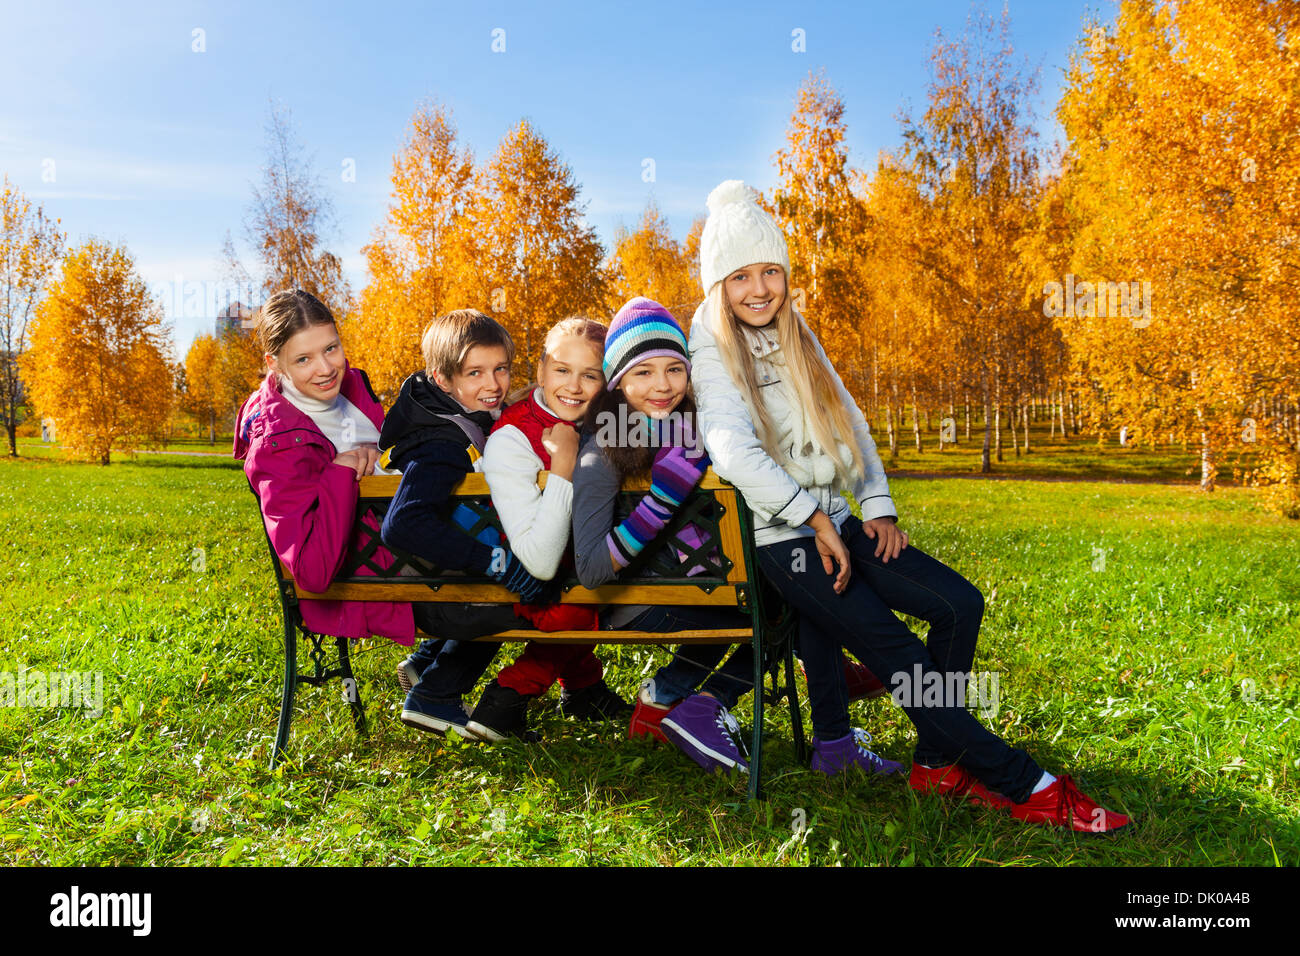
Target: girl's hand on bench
{"x":362,"y":460}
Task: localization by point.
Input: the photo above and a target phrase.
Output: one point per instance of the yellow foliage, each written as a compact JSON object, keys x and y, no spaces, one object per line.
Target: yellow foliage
{"x":98,"y":358}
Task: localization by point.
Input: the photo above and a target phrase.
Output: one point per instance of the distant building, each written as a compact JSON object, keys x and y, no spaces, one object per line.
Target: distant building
{"x":236,"y":317}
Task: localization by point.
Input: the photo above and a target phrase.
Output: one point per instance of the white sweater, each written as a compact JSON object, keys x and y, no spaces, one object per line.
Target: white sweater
{"x":781,"y":505}
{"x":536,"y":522}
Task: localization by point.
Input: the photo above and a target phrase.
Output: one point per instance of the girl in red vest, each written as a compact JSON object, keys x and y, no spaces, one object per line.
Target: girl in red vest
{"x":540,"y":433}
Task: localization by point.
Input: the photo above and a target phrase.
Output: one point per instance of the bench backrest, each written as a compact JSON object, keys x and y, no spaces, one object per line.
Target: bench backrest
{"x":726,"y":572}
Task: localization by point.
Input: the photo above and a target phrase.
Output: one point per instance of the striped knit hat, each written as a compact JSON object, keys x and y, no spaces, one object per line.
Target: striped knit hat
{"x":642,"y":329}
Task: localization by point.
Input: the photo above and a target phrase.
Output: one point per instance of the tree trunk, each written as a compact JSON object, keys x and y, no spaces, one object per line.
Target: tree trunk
{"x":997,"y":418}
{"x":11,"y":427}
{"x":1013,"y":413}
{"x":967,"y":408}
{"x":985,"y":466}
{"x":1209,"y":467}
{"x":916,"y":424}
{"x":1026,"y":430}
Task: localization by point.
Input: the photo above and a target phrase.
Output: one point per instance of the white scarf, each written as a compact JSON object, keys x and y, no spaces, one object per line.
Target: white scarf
{"x":806,"y":461}
{"x":338,"y":419}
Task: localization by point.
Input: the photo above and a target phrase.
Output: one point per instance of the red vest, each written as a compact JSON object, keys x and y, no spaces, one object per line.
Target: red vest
{"x":531,"y":419}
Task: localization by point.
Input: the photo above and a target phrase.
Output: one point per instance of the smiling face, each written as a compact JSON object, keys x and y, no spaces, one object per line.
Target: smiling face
{"x":313,"y":361}
{"x":570,"y":376}
{"x":756,"y":292}
{"x":482,"y":381}
{"x":655,"y":386}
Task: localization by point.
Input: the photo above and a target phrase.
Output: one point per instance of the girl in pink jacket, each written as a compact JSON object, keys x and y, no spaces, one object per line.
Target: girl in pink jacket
{"x":306,"y":437}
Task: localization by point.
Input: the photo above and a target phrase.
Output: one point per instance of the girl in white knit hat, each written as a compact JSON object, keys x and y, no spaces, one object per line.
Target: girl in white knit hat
{"x":779,"y":424}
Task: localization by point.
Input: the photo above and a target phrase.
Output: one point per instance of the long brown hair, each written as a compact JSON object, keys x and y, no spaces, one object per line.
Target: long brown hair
{"x":811,"y":379}
{"x":630,"y":461}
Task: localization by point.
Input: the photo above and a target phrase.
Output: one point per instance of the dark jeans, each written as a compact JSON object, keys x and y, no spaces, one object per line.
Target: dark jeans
{"x":692,"y":663}
{"x":451,"y":665}
{"x":862,"y":620}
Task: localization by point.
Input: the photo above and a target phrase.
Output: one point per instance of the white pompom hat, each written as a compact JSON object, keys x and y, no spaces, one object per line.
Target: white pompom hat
{"x":738,"y":233}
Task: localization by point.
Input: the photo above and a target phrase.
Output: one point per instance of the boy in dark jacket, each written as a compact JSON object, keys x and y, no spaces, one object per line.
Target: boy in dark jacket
{"x":434,"y":434}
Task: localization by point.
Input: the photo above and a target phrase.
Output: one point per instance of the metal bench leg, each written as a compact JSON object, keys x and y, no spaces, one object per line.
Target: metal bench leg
{"x":286,"y":694}
{"x":350,"y":689}
{"x":756,"y":749}
{"x":792,"y":693}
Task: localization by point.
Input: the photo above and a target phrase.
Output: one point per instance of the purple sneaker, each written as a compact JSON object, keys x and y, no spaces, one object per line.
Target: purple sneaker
{"x":703,"y":730}
{"x":836,"y":756}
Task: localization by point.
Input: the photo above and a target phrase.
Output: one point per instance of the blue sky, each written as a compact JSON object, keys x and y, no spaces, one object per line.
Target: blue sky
{"x":115,"y":124}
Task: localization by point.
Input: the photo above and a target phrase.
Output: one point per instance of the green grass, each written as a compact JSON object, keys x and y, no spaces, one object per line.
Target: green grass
{"x":1056,"y":457}
{"x":1164,"y":680}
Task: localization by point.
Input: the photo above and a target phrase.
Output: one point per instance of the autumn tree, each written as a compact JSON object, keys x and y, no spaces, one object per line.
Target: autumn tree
{"x":1181,"y":178}
{"x":825,"y":225}
{"x":973,"y":158}
{"x":536,"y":259}
{"x":417,"y":260}
{"x":648,"y":261}
{"x":202,"y":381}
{"x":288,"y":222}
{"x":30,"y":244}
{"x":98,"y":362}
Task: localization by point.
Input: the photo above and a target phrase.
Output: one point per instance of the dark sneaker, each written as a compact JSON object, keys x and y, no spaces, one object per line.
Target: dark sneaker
{"x":425,"y":714}
{"x":703,"y":730}
{"x":832,"y":757}
{"x":501,"y":713}
{"x":594,"y":702}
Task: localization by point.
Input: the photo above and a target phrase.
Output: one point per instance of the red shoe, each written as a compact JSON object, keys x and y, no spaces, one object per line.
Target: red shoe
{"x":646,"y":717}
{"x":1064,"y":805}
{"x":955,"y":781}
{"x":862,"y":684}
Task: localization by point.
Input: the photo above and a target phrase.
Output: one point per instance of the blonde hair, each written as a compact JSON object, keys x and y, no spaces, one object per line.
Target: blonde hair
{"x":449,"y":338}
{"x":590,"y":330}
{"x":286,"y":314}
{"x":812,"y":381}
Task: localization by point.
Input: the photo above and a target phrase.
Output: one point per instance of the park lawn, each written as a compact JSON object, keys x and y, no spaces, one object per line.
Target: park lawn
{"x":1144,"y":638}
{"x":1078,"y":457}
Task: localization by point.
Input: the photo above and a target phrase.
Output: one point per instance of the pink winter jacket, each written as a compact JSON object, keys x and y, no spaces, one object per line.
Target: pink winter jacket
{"x":308,"y":504}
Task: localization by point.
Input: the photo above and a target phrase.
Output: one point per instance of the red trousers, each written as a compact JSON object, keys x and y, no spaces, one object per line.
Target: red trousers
{"x":541,"y":665}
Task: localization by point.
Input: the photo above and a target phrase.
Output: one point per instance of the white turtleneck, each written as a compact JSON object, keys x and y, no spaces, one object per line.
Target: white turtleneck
{"x":338,"y":419}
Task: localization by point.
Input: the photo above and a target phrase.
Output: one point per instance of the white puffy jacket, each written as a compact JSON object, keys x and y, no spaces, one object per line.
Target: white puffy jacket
{"x":780,"y":505}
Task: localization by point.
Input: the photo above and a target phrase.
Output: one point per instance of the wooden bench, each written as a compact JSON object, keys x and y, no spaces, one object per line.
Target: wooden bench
{"x":726,"y":576}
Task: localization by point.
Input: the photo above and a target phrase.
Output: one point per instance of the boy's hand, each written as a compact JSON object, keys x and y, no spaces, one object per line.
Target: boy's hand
{"x":561,"y":443}
{"x":890,"y":541}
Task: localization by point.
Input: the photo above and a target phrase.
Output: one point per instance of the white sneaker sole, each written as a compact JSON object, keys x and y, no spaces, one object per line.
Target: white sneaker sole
{"x":477,"y":731}
{"x":424,"y":722}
